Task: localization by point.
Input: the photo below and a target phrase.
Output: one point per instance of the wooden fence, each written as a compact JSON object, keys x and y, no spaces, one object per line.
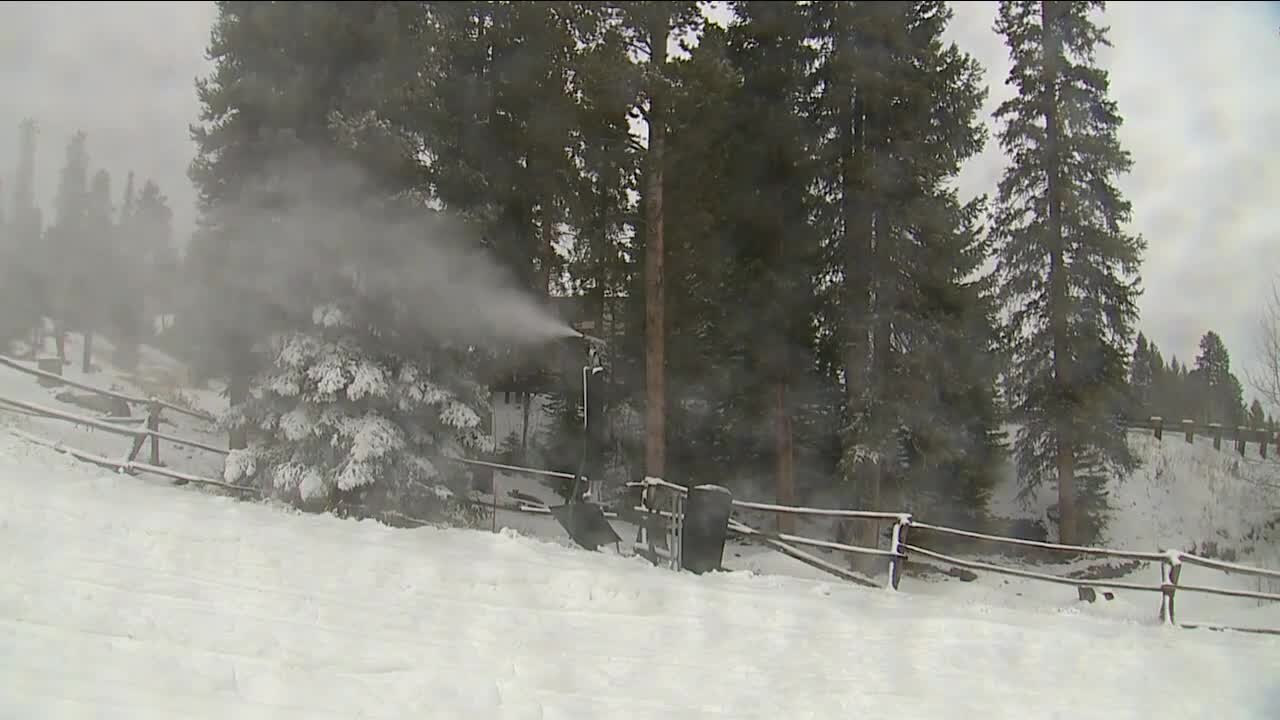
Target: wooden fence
{"x":117,"y":425}
{"x":897,"y":555}
{"x":1240,"y":436}
{"x":901,"y":549}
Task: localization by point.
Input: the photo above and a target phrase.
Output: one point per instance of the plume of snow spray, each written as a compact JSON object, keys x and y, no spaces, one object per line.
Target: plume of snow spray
{"x":429,"y":268}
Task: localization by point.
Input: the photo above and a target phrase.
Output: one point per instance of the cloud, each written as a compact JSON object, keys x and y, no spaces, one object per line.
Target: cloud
{"x":1193,"y":82}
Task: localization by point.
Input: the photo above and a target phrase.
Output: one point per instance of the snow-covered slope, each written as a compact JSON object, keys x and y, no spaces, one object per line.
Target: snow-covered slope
{"x":128,"y":599}
{"x":157,"y":374}
{"x":1184,"y":496}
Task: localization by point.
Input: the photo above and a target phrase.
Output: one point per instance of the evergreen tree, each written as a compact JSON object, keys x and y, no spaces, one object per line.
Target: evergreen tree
{"x":1141,"y":380}
{"x":25,"y":259}
{"x":69,"y":240}
{"x":312,"y":199}
{"x":1160,"y":391}
{"x":648,"y":26}
{"x":771,"y":248}
{"x":898,"y":107}
{"x":326,"y":78}
{"x":708,"y":434}
{"x":1220,"y":398}
{"x":1067,"y":266}
{"x":95,"y":288}
{"x":1257,"y":416}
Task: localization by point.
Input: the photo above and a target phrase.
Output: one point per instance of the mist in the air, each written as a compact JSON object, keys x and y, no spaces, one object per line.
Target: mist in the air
{"x":325,"y":238}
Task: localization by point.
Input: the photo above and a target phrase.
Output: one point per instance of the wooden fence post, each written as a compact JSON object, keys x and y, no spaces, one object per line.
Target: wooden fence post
{"x":1216,"y":429}
{"x":153,"y":424}
{"x":1157,"y":423}
{"x":1262,"y":442}
{"x":1170,"y":569}
{"x":897,"y":546}
{"x":493,"y":487}
{"x":1189,"y":428}
{"x":1240,"y":439}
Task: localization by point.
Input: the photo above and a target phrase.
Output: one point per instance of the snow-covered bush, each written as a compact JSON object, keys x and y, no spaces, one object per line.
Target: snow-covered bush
{"x":340,"y":423}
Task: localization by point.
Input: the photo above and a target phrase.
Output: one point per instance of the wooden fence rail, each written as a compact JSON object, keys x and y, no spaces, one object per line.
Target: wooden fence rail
{"x":131,"y":399}
{"x":1171,"y":561}
{"x":138,"y":435}
{"x":1240,"y":435}
{"x":897,"y":554}
{"x":130,"y":466}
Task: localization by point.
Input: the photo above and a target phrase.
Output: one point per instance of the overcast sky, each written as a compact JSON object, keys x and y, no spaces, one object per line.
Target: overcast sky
{"x":1192,"y":81}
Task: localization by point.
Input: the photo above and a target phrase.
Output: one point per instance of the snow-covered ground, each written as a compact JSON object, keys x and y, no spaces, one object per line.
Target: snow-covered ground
{"x":128,"y":597}
{"x":157,"y":374}
{"x":1181,"y":496}
{"x":135,"y":599}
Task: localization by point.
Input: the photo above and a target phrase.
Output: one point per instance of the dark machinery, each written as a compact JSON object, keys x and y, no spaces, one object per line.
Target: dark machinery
{"x":583,"y":520}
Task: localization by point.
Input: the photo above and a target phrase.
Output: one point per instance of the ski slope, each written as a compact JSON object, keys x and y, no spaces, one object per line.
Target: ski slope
{"x":124,"y":598}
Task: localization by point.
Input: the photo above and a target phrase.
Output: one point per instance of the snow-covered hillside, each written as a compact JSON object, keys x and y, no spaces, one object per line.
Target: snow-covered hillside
{"x":135,"y":599}
{"x":1183,"y":496}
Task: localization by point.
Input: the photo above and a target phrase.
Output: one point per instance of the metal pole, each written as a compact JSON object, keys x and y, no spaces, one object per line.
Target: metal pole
{"x":586,"y":438}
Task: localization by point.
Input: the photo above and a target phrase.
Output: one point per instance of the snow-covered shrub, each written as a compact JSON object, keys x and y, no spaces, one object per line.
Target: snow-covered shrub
{"x":339,"y":422}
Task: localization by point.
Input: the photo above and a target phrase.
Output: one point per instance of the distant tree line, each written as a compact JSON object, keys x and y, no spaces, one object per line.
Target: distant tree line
{"x":97,"y":265}
{"x":1207,"y":392}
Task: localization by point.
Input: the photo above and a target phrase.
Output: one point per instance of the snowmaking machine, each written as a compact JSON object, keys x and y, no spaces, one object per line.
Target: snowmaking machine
{"x":581,"y":515}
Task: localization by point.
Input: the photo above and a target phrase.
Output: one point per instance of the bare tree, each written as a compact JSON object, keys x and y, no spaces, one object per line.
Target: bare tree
{"x":1265,"y":377}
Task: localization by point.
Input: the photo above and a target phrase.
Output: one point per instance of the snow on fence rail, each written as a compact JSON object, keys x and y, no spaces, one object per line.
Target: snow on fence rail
{"x":1171,"y":561}
{"x":130,"y":466}
{"x":110,"y":427}
{"x":139,"y":435}
{"x":131,"y":399}
{"x":1241,"y":435}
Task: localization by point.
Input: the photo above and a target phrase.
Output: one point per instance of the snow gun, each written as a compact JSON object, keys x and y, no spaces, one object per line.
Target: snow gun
{"x":585,"y":521}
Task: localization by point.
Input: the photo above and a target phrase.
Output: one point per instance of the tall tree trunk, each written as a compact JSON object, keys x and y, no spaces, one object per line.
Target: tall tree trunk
{"x":1067,"y":526}
{"x":655,"y":316}
{"x":780,"y":366}
{"x":238,"y":388}
{"x":546,"y":249}
{"x":784,"y":450}
{"x":526,"y":399}
{"x":86,"y":356}
{"x":857,"y":231}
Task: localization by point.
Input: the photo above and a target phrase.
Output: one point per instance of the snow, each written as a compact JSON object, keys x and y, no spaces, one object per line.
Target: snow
{"x":125,"y":598}
{"x":1181,"y":496}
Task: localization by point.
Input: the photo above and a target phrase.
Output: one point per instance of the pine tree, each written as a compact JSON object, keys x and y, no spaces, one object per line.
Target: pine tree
{"x":1140,"y":379}
{"x":648,"y":26}
{"x":1220,"y":398}
{"x":1257,"y":415}
{"x":26,"y":260}
{"x":353,"y":415}
{"x":69,"y":239}
{"x":328,"y":72}
{"x":771,"y":248}
{"x":316,"y":188}
{"x":904,"y":249}
{"x":1068,"y":268}
{"x":98,"y":254}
